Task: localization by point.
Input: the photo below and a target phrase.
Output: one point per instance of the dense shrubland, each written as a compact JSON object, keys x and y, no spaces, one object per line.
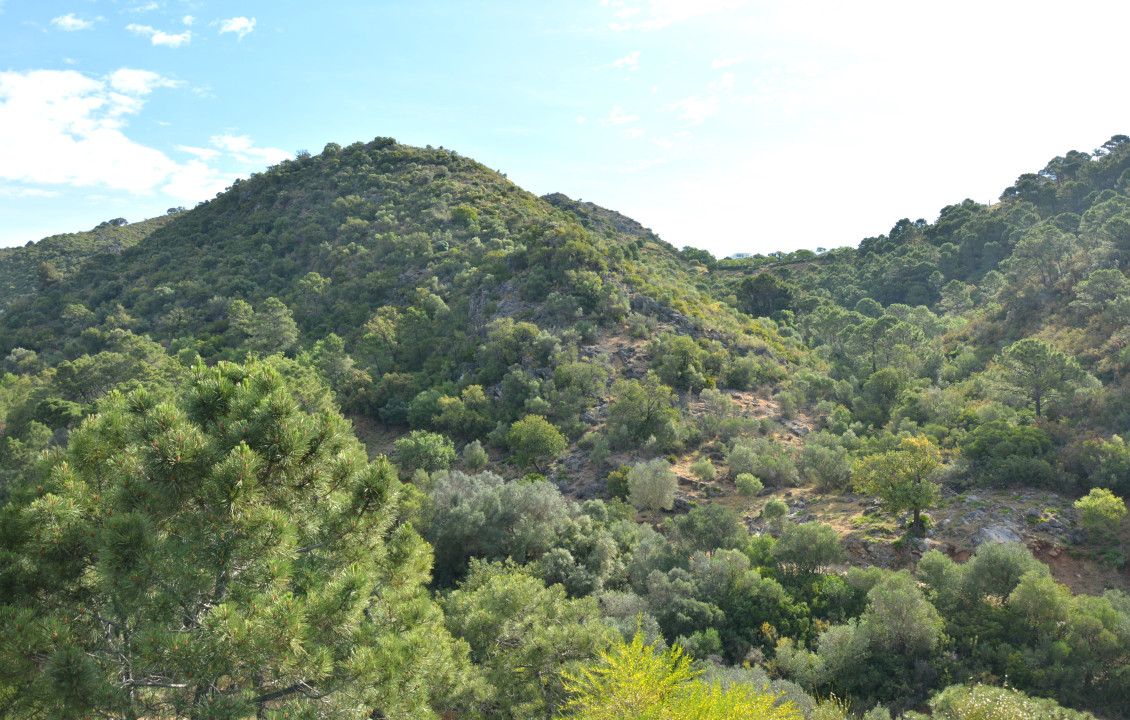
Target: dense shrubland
{"x":191,"y":528}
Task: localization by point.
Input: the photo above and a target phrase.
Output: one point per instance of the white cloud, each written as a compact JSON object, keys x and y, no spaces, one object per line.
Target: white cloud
{"x":70,"y":23}
{"x":160,"y":37}
{"x":630,"y":60}
{"x":656,"y":14}
{"x":618,"y":117}
{"x":726,"y":62}
{"x":631,"y":132}
{"x":147,"y":7}
{"x":581,"y":120}
{"x":202,"y":153}
{"x":696,"y":108}
{"x":66,"y":128}
{"x":239,"y":25}
{"x":188,"y":20}
{"x":138,"y":82}
{"x":242,"y":149}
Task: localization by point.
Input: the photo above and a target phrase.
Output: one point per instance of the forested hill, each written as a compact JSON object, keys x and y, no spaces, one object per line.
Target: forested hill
{"x":40,"y":264}
{"x":871,"y":473}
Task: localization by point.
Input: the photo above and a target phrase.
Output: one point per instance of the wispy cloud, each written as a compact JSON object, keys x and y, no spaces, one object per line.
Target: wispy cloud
{"x":139,"y":82}
{"x":619,"y":117}
{"x":243,"y":149}
{"x":160,"y":37}
{"x":241,"y":26}
{"x":696,"y":108}
{"x":188,"y":20}
{"x":70,"y":23}
{"x":656,"y":14}
{"x":631,"y":60}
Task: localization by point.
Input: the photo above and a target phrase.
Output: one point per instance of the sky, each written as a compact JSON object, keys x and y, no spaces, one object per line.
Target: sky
{"x":731,"y":125}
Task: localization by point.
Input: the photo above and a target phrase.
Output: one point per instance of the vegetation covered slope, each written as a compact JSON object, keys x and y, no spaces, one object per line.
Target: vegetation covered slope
{"x":37,"y":265}
{"x":513,"y":348}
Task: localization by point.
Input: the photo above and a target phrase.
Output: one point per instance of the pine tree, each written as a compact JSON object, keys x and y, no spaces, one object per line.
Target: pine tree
{"x":225,"y":556}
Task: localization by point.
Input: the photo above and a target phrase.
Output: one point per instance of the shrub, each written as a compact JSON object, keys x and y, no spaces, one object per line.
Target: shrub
{"x":703,"y":470}
{"x":651,"y":485}
{"x":748,"y":485}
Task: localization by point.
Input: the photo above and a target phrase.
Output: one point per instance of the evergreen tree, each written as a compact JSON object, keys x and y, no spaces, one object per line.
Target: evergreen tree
{"x":223,"y":556}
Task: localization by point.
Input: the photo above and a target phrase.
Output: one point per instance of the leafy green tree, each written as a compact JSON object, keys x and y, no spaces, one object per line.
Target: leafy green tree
{"x":805,"y":548}
{"x":899,"y":619}
{"x":748,"y":485}
{"x":226,"y":555}
{"x":423,"y":450}
{"x":639,"y":682}
{"x":774,"y":510}
{"x":524,"y":636}
{"x":651,"y":485}
{"x":481,"y":516}
{"x":709,"y":527}
{"x":1040,"y":373}
{"x":825,"y":462}
{"x":475,"y":458}
{"x":642,"y":409}
{"x":535,"y":440}
{"x":996,"y":569}
{"x":764,"y":294}
{"x":900,"y":477}
{"x":1101,"y":510}
{"x":1041,"y":256}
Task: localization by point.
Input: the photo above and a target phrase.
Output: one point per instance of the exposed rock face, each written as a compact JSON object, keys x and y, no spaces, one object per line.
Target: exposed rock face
{"x":997,"y":534}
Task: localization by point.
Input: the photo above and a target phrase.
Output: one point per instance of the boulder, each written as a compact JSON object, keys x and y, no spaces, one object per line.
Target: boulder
{"x":997,"y":534}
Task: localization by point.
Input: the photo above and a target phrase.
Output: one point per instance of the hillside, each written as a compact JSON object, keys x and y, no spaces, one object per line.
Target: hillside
{"x":20,"y":272}
{"x":840,"y":473}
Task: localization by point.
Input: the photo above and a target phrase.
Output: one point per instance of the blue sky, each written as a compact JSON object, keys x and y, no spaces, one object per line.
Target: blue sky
{"x":732,"y":125}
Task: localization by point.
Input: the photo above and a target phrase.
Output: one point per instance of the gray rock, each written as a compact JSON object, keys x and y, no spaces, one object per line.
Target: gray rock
{"x":1033,"y":513}
{"x":997,"y":534}
{"x":1077,"y":537}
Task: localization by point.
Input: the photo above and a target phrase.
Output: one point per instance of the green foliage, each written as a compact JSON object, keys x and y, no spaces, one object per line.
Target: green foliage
{"x":642,"y":410}
{"x":1101,"y":511}
{"x":481,"y":516}
{"x":617,"y":483}
{"x":984,"y":702}
{"x":423,"y":450}
{"x":997,"y":569}
{"x":901,"y":477}
{"x":703,"y":469}
{"x":774,"y":509}
{"x":535,"y":441}
{"x":475,"y":458}
{"x":651,"y":485}
{"x":226,"y":550}
{"x":526,"y":637}
{"x":748,"y":485}
{"x":636,"y":681}
{"x":899,"y":619}
{"x":709,"y":527}
{"x":1040,"y":374}
{"x":804,"y":548}
{"x":1008,"y":455}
